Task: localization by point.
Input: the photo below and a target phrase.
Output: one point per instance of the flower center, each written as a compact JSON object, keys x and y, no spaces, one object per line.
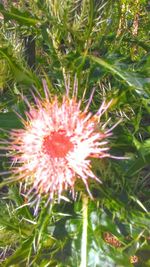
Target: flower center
{"x":57,"y":144}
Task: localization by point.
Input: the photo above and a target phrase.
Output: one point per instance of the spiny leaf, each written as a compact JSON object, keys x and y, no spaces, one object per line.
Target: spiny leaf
{"x":21,"y":254}
{"x":23,"y":18}
{"x":21,"y":74}
{"x":132,"y":79}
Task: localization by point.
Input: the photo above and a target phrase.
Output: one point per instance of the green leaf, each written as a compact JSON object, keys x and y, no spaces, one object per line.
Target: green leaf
{"x":136,"y":164}
{"x":131,"y":78}
{"x":10,"y":120}
{"x":145,"y":148}
{"x":24,"y":18}
{"x":21,"y":74}
{"x":21,"y":253}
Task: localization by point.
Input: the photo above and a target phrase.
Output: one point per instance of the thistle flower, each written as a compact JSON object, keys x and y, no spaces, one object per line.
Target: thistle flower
{"x":55,"y":146}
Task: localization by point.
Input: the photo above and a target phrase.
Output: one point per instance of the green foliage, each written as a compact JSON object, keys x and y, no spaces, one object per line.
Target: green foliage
{"x":95,"y":42}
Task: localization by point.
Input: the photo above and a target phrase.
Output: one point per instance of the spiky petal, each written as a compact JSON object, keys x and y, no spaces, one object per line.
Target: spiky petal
{"x":55,"y":146}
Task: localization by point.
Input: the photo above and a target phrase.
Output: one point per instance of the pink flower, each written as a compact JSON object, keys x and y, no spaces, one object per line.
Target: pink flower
{"x":55,"y":146}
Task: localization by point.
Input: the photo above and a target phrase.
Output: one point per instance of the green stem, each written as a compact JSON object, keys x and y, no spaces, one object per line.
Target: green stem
{"x":84,"y":231}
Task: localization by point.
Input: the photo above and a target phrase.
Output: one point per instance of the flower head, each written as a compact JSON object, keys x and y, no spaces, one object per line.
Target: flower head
{"x":55,"y":146}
